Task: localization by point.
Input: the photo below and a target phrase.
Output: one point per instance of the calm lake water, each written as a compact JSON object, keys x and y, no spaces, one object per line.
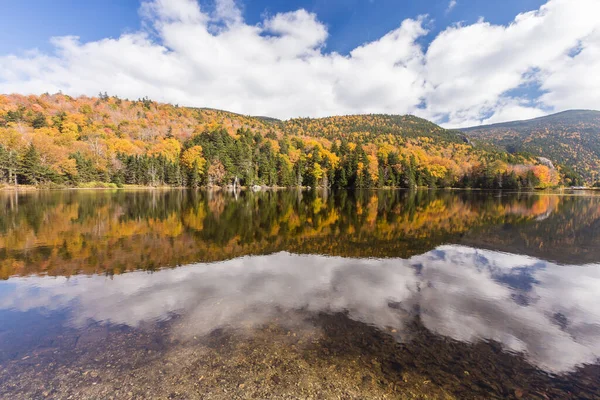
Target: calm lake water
{"x":195,"y":295}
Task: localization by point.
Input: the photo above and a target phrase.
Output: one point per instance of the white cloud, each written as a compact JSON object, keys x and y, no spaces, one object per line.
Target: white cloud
{"x":228,"y":12}
{"x":472,"y":67}
{"x":280,"y":67}
{"x":184,"y":11}
{"x":574,"y":81}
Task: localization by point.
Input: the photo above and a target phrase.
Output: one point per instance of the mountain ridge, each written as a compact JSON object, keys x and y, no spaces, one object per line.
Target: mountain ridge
{"x":542,"y":118}
{"x":569,"y":138}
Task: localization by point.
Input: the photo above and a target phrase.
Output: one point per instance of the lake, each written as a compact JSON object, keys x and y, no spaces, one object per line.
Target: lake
{"x":290,"y":294}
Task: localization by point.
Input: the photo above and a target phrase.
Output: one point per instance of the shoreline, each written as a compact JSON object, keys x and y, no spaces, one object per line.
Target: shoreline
{"x":33,"y":188}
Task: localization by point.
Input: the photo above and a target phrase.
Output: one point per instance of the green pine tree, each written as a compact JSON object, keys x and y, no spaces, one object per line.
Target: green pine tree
{"x":30,"y":171}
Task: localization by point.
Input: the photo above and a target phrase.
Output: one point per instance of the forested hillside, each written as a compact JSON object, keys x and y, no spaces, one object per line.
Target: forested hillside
{"x":60,"y":140}
{"x":570,"y":138}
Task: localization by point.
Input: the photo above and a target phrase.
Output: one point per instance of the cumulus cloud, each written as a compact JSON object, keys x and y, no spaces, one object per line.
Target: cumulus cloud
{"x":476,"y":65}
{"x":573,"y":81}
{"x":548,"y":312}
{"x":280,"y":67}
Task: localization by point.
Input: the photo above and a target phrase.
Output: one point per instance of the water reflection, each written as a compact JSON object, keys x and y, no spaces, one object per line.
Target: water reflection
{"x":550,"y":313}
{"x":66,"y":233}
{"x":367,"y":294}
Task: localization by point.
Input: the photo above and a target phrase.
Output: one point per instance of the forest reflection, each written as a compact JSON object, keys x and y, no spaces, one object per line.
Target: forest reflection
{"x":71,"y":232}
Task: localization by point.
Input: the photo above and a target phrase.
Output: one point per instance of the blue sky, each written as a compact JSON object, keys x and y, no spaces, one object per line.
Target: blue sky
{"x":28,"y":24}
{"x":455,"y":62}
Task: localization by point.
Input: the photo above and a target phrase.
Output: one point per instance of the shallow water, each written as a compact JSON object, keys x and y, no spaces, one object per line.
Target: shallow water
{"x":176,"y":294}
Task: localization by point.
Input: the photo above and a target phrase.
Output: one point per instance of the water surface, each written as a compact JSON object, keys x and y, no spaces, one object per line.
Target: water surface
{"x":392,"y":294}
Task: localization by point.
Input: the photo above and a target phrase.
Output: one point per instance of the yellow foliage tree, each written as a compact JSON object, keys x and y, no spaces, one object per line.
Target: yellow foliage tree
{"x":192,"y":156}
{"x":53,"y":155}
{"x":168,"y":148}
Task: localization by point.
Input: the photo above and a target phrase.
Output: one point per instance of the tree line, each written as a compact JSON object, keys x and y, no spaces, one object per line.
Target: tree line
{"x":59,"y":140}
{"x":218,"y":159}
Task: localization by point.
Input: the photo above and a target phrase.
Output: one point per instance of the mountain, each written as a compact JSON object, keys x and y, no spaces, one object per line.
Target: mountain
{"x":86,"y":141}
{"x":570,"y":138}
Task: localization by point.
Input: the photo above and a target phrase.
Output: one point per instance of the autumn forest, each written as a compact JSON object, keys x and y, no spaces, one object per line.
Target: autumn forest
{"x":61,"y":141}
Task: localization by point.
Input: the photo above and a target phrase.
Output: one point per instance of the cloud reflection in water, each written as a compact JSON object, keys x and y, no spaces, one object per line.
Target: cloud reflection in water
{"x":551,"y":313}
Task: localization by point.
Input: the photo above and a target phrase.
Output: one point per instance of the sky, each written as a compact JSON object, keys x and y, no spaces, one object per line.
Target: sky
{"x":455,"y":62}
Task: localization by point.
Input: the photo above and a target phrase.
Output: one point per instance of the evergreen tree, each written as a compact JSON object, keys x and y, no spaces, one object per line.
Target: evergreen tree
{"x":381,"y":178}
{"x":30,"y":171}
{"x":531,"y":181}
{"x":340,"y":181}
{"x":85,"y":168}
{"x":285,"y":173}
{"x":4,"y":165}
{"x":39,"y":121}
{"x":194,"y":177}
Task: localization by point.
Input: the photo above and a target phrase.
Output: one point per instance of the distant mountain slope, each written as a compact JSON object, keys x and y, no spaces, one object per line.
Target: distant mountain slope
{"x":374,"y":125}
{"x":570,"y":138}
